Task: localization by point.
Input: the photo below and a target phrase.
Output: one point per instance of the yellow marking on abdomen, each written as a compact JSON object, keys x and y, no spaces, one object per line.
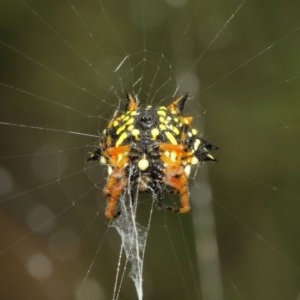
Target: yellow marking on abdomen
{"x":121,"y":139}
{"x":176,"y":130}
{"x":154,"y":133}
{"x":161,"y":113}
{"x":162,"y":127}
{"x":135,"y":132}
{"x":122,"y":128}
{"x":171,"y":138}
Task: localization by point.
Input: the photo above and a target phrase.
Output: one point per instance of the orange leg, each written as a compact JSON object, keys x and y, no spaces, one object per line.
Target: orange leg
{"x":116,"y":181}
{"x":114,"y":187}
{"x":176,"y":178}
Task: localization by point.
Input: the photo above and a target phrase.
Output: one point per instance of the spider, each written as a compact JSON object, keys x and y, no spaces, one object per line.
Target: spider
{"x":150,"y":149}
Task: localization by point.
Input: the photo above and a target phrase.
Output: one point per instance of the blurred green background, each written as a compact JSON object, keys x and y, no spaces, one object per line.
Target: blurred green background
{"x":59,"y":72}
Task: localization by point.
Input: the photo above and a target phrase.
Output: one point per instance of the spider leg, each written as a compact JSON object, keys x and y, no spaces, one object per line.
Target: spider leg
{"x":114,"y":187}
{"x":175,"y":176}
{"x":117,"y":180}
{"x":177,"y":179}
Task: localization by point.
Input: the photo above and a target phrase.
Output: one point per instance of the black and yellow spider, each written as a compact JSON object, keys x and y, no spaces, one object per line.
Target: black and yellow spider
{"x":148,"y":149}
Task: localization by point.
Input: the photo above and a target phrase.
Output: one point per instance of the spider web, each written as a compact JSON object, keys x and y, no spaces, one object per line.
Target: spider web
{"x":66,"y":68}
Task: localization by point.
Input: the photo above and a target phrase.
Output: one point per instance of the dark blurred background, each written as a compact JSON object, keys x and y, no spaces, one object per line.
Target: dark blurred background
{"x":61,"y":74}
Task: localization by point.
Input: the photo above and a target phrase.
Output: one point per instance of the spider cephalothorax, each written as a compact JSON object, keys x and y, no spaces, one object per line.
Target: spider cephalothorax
{"x":148,"y":149}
